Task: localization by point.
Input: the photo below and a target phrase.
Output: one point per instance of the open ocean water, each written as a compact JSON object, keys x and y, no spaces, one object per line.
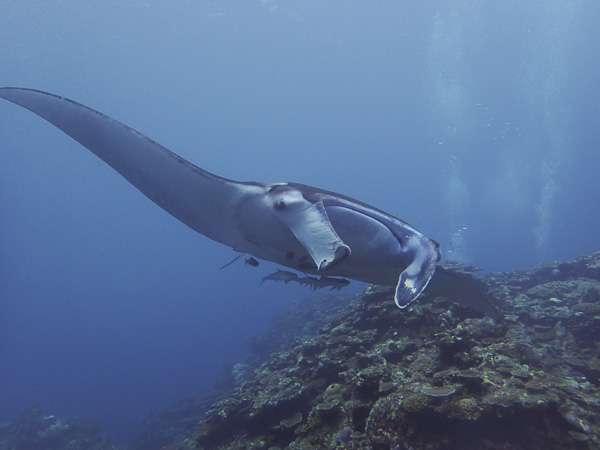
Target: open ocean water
{"x":474,"y":121}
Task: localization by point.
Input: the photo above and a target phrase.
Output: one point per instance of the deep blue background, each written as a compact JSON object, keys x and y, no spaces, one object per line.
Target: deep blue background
{"x":475,"y":122}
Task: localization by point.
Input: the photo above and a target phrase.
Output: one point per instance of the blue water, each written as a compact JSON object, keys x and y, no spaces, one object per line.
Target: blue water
{"x":475,"y":122}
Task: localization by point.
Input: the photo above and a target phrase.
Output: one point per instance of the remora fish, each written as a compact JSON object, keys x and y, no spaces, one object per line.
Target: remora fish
{"x":323,"y":282}
{"x":307,"y":229}
{"x":281,"y":275}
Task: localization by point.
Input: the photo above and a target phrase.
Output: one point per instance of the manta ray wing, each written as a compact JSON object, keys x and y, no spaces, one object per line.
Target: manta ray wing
{"x":291,"y":224}
{"x":197,"y":198}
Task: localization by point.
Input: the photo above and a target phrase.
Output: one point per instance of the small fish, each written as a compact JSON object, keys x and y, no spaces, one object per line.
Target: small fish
{"x":311,"y":282}
{"x":320,"y":283}
{"x":281,"y":275}
{"x":251,"y":262}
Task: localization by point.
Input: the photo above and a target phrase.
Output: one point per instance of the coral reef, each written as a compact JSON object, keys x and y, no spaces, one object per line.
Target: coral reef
{"x":301,"y":321}
{"x":435,"y":375}
{"x":34,"y":430}
{"x":353,"y":371}
{"x":171,"y":427}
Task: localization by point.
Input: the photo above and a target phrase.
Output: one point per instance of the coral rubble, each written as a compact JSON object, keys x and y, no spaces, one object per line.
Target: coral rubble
{"x":435,"y":375}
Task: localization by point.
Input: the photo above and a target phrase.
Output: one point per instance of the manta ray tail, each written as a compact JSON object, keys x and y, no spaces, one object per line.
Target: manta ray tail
{"x":463,"y":288}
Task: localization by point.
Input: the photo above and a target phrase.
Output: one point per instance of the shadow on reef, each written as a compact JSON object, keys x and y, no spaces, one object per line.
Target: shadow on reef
{"x":433,"y":376}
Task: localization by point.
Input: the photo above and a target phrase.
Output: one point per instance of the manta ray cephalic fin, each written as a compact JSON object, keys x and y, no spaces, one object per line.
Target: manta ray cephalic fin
{"x":308,"y":221}
{"x":416,"y":276}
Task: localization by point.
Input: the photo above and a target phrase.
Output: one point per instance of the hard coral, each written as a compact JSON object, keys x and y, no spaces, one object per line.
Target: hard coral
{"x":430,"y":376}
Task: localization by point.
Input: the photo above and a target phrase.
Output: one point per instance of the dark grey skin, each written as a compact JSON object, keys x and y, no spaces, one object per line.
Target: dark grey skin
{"x":307,"y":229}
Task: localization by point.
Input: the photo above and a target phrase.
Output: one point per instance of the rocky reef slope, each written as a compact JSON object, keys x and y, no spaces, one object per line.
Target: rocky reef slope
{"x":353,"y":371}
{"x":34,"y":430}
{"x":435,"y":375}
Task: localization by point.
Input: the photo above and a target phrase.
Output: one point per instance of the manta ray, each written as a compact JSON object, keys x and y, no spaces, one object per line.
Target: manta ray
{"x":311,"y":230}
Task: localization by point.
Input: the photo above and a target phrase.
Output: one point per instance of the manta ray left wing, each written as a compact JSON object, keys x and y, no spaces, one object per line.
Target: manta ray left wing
{"x":197,"y":198}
